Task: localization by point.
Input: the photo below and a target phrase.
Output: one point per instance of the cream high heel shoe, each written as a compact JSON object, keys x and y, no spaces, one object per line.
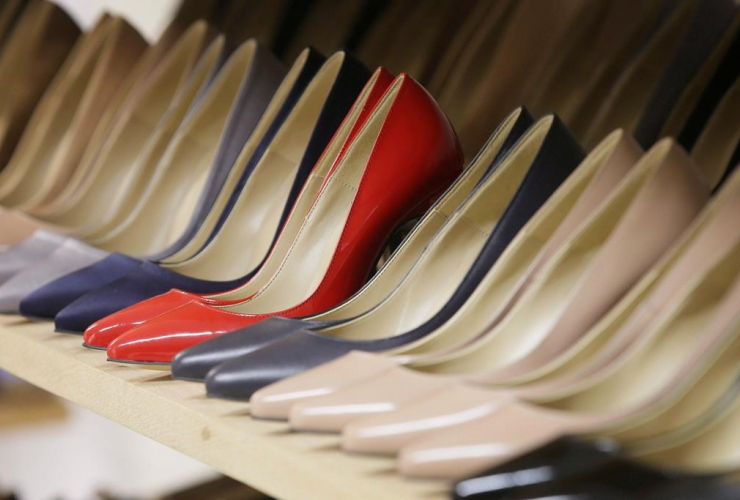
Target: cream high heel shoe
{"x":62,"y":124}
{"x":236,"y":94}
{"x":16,"y":226}
{"x":195,"y":144}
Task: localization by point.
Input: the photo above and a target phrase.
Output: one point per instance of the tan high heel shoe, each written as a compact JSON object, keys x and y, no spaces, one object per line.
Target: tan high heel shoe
{"x":125,"y":162}
{"x":17,"y":226}
{"x":565,"y":296}
{"x":571,"y":365}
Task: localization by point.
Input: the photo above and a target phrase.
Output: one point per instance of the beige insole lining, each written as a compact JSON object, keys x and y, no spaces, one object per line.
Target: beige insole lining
{"x":173,"y":193}
{"x":246,"y":235}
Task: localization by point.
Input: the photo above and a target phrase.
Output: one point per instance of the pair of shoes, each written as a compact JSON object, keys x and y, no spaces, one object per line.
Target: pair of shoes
{"x":548,"y":142}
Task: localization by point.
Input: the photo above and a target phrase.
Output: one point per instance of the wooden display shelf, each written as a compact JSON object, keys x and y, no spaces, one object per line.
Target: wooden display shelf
{"x":264,"y":455}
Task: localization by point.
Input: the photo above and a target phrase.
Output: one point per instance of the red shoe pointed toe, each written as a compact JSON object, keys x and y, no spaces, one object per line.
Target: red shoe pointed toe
{"x":101,"y":333}
{"x":157,"y":340}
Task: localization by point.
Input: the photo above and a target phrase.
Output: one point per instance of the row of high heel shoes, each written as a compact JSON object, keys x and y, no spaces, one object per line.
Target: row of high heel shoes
{"x":541,"y":293}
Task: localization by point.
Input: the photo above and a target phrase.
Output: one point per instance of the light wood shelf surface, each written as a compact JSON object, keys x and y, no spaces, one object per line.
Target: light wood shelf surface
{"x":264,"y":455}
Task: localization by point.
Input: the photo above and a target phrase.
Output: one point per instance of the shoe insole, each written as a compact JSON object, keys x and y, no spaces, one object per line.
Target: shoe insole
{"x":115,"y":165}
{"x":208,"y":225}
{"x":148,"y":159}
{"x":249,"y":230}
{"x":707,"y":240}
{"x":680,"y":344}
{"x":173,"y":192}
{"x":401,"y":261}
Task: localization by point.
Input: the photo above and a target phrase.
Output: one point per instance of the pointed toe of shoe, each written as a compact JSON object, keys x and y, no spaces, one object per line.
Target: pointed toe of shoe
{"x":238,"y":384}
{"x":37,"y":304}
{"x":72,"y":319}
{"x":141,"y":346}
{"x":51,"y":299}
{"x":105,"y":330}
{"x":160,"y":339}
{"x":388,"y":433}
{"x":195,"y":363}
{"x":276,"y":400}
{"x":100,"y":334}
{"x":379,"y":395}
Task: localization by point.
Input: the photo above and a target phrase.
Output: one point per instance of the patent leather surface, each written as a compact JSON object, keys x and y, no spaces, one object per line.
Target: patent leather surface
{"x":103,"y":331}
{"x":690,"y":488}
{"x":558,"y":220}
{"x":570,"y":466}
{"x":64,"y":291}
{"x":194,"y":363}
{"x":409,"y":129}
{"x":306,"y":349}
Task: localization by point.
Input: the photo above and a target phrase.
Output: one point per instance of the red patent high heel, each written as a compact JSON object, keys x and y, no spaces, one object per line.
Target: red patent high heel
{"x":405,"y":155}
